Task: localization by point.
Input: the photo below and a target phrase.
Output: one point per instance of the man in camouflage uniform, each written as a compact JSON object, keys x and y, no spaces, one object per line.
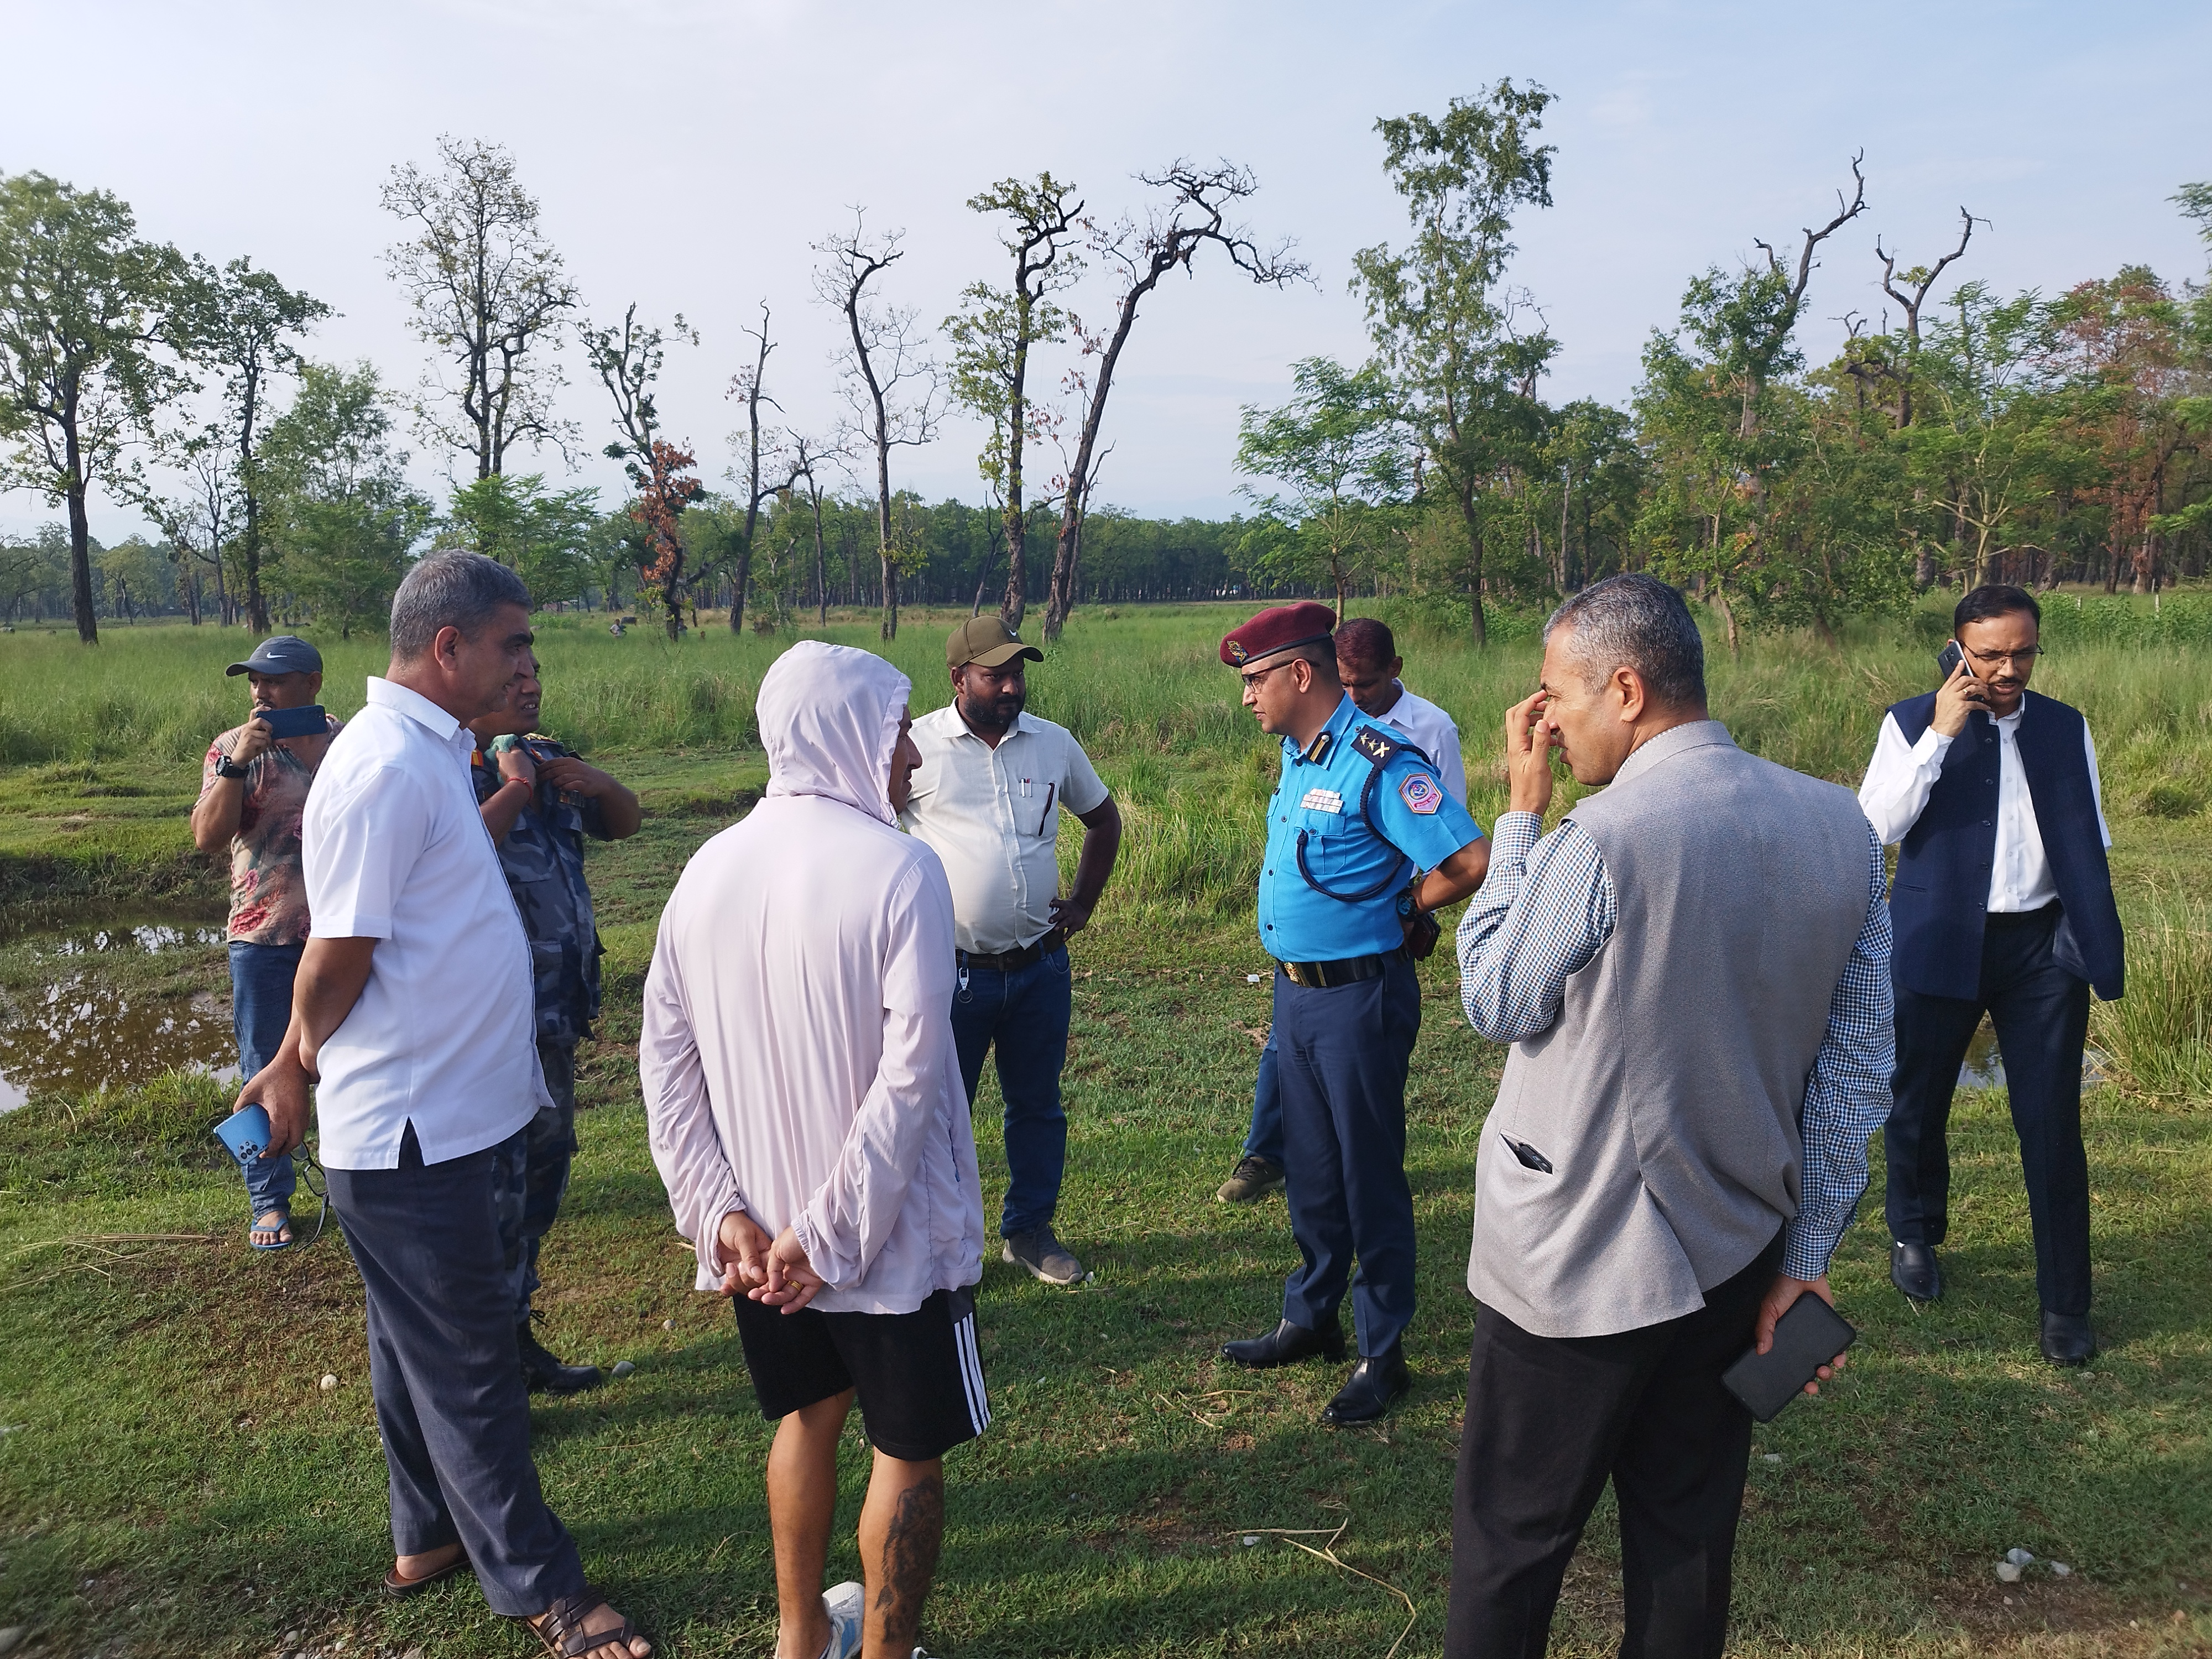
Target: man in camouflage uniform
{"x":539,"y":801}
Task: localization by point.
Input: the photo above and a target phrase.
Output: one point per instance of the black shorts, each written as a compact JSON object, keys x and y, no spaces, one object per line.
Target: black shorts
{"x":919,"y":1376}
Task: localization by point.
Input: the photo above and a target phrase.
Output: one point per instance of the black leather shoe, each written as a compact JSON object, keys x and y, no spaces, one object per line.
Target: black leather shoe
{"x":1374,"y":1381}
{"x":1912,"y":1269}
{"x":544,"y":1370}
{"x":2067,"y":1339}
{"x":1285,"y":1345}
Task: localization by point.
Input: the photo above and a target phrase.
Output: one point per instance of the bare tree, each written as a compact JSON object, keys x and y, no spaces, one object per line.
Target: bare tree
{"x":1918,"y":281}
{"x":628,"y":361}
{"x":891,"y":384}
{"x":991,"y":337}
{"x":749,"y":384}
{"x":806,"y":456}
{"x":490,"y":293}
{"x":1195,"y":211}
{"x":203,"y":517}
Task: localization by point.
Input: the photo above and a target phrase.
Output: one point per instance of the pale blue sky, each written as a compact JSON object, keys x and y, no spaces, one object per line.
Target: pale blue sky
{"x":746,"y":128}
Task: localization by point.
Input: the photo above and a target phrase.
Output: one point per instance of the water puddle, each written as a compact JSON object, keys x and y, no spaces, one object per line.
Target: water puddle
{"x":1985,"y":1066}
{"x":79,"y":1031}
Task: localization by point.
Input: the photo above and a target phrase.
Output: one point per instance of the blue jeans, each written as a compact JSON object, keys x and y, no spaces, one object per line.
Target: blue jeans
{"x":1025,"y":1013}
{"x":260,"y":1011}
{"x":1266,"y":1140}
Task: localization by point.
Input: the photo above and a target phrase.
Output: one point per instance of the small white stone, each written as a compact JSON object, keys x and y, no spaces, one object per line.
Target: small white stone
{"x":2007,"y":1573}
{"x":624,"y":1368}
{"x":11,"y":1637}
{"x":2007,"y":1601}
{"x":2019,"y":1558}
{"x":1771,"y":1457}
{"x":2060,"y":1569}
{"x":1250,"y":1539}
{"x":329,"y":1382}
{"x":668,"y":1324}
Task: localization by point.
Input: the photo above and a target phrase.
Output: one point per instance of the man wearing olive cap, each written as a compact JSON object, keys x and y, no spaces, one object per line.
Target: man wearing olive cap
{"x":987,"y":797}
{"x":1364,"y":841}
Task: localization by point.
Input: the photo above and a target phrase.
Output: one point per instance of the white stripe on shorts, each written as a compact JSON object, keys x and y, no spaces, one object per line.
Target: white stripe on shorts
{"x":971,"y":1372}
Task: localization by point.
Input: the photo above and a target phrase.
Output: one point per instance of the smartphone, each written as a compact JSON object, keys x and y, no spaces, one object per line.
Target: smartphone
{"x":1808,"y":1337}
{"x":307,"y":722}
{"x":1948,"y":660}
{"x":245,"y":1133}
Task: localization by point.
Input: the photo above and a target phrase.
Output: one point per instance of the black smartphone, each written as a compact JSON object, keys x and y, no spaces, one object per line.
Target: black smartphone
{"x":1947,"y":659}
{"x":1806,"y":1337}
{"x":295,"y":722}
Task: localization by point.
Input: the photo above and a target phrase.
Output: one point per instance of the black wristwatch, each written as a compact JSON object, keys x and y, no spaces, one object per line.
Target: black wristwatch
{"x":228,"y":768}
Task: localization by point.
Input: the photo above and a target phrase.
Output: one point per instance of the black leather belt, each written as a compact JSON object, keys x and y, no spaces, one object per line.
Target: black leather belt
{"x":1006,"y":961}
{"x":1346,"y":970}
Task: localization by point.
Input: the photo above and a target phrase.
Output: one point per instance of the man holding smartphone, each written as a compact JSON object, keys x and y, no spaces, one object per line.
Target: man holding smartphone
{"x":2003,"y":905}
{"x":253,"y":787}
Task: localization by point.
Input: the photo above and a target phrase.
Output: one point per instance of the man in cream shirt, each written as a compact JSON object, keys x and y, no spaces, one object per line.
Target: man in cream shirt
{"x":412,"y":1012}
{"x":987,"y":797}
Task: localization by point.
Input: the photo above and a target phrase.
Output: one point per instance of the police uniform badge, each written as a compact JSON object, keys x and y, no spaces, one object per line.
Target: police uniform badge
{"x":1421,"y":793}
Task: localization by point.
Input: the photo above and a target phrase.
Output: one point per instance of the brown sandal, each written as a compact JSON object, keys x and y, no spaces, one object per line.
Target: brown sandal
{"x":560,"y":1628}
{"x":399,"y":1588}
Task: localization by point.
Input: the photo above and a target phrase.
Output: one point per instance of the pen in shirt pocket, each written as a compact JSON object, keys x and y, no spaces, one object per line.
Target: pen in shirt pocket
{"x":1045,"y":817}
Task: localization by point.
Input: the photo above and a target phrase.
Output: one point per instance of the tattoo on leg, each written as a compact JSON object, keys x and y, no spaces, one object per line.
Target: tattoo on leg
{"x":910,"y":1546}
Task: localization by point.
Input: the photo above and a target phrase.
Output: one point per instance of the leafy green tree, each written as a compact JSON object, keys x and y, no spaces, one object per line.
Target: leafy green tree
{"x":1436,"y":309}
{"x":345,"y":521}
{"x":86,"y":308}
{"x":993,"y":336}
{"x":628,"y":361}
{"x":544,"y":536}
{"x":1340,"y":451}
{"x":130,"y":574}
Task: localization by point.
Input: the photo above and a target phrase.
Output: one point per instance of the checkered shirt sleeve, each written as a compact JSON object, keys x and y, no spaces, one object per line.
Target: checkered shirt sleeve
{"x":1548,"y":906}
{"x":1544,"y":910}
{"x":1848,"y":1096}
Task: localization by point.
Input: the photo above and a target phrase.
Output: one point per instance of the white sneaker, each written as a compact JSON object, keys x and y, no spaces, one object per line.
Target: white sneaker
{"x":847,"y":1604}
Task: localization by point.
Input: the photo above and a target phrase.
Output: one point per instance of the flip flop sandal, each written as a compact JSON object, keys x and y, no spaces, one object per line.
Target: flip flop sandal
{"x":400,"y":1588}
{"x":560,"y":1628}
{"x":274,"y":1244}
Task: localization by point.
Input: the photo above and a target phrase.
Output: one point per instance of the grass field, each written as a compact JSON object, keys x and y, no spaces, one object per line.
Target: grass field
{"x":174,"y":1481}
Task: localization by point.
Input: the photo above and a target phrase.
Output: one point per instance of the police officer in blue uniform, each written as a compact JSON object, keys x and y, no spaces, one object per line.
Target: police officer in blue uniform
{"x":1363,"y":844}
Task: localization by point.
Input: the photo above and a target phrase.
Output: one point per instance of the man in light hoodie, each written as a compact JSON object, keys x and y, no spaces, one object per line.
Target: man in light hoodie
{"x":808,"y":1118}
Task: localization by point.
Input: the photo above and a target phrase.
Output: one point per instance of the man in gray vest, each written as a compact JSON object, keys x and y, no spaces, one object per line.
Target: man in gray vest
{"x":1693,"y":970}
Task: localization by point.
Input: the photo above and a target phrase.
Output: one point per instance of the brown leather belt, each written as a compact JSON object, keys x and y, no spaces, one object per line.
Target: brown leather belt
{"x":1006,"y":961}
{"x":1346,"y":970}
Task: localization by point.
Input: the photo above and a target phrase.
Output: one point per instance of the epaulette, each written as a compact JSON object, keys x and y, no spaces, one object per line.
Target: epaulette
{"x":1375,"y":746}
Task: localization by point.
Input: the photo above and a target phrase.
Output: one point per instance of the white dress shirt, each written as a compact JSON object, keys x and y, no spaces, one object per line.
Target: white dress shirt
{"x":993,"y":814}
{"x":1432,"y":732}
{"x":1901,"y":775}
{"x":445,"y":1033}
{"x":797,"y":1058}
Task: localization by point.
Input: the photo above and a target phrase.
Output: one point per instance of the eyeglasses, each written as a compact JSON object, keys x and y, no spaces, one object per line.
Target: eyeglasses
{"x":1253,"y":679}
{"x":2022,"y":661}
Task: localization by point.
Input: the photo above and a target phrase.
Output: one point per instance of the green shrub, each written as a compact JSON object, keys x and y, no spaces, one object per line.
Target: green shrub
{"x":2157,"y":1039}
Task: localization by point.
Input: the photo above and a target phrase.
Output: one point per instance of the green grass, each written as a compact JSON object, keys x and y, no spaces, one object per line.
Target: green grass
{"x":173,"y":1481}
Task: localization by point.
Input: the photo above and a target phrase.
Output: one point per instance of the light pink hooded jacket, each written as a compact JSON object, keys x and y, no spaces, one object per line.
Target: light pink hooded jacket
{"x":797,"y":1057}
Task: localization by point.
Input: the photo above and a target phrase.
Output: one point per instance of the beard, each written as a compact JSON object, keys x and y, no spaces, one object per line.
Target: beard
{"x":991,"y":714}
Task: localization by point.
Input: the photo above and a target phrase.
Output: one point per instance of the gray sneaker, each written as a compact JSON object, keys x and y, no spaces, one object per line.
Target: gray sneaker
{"x":1045,"y":1256}
{"x":1253,"y":1179}
{"x":847,"y":1605}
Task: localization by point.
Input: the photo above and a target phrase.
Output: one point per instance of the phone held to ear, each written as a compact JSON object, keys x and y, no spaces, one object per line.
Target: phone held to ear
{"x":1808,"y":1336}
{"x":307,"y":722}
{"x":1948,"y":660}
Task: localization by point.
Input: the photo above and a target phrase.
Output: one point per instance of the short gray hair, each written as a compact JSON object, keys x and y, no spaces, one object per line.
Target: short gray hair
{"x":450,"y":590}
{"x":1636,"y":622}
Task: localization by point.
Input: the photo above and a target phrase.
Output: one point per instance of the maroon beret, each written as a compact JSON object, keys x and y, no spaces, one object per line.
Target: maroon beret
{"x":1280,"y":628}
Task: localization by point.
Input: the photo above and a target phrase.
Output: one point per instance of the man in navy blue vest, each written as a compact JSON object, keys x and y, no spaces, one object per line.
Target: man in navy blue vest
{"x":2002,"y":905}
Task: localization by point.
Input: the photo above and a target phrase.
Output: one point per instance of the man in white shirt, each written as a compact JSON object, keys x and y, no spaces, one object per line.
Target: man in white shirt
{"x":411,"y":1013}
{"x":807,"y":1116}
{"x":2003,"y":905}
{"x":1368,"y":664}
{"x":987,"y":797}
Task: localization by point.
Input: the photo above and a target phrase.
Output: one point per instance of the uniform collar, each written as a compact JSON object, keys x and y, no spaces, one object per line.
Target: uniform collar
{"x":1328,"y":738}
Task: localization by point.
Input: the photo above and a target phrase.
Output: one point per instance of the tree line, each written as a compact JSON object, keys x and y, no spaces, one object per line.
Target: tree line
{"x":1964,"y":435}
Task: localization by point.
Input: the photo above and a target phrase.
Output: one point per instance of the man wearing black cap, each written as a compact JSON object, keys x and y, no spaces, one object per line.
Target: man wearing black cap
{"x":253,"y":787}
{"x":1364,"y":842}
{"x":987,"y":797}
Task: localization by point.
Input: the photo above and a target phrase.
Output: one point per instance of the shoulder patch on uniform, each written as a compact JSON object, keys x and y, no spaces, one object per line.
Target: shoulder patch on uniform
{"x":1421,"y":793}
{"x":1374,"y":745}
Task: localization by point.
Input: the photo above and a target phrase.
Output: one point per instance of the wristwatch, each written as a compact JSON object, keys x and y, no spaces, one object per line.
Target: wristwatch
{"x":228,"y":768}
{"x":1409,"y":897}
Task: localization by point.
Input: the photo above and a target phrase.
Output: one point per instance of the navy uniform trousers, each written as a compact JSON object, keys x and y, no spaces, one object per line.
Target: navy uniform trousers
{"x":1341,"y":1055}
{"x":451,"y":1403}
{"x":2041,"y":1013}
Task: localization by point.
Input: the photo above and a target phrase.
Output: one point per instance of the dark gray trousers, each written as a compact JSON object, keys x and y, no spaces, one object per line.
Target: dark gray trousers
{"x":450,"y":1399}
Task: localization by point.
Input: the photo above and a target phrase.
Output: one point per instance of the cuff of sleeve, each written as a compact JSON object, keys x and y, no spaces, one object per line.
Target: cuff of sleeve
{"x":350,"y":924}
{"x":1807,"y":1246}
{"x":708,"y":1244}
{"x":1513,"y":835}
{"x":1933,"y":745}
{"x":819,"y":1256}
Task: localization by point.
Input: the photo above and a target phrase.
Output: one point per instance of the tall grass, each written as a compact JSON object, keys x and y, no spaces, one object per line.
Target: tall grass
{"x":2157,"y":1039}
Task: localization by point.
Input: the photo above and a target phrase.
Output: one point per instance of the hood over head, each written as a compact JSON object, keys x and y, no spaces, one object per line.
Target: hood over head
{"x":828,"y":717}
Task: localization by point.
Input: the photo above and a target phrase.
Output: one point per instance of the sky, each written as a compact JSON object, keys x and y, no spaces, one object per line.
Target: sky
{"x":687,"y":155}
